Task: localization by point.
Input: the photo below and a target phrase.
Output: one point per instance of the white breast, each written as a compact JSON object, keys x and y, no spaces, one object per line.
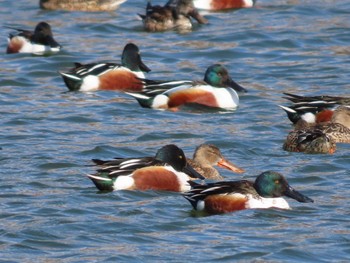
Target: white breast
{"x":263,"y":202}
{"x":226,"y":98}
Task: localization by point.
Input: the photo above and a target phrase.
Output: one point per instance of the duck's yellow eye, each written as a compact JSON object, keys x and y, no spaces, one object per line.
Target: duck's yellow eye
{"x":277,"y":181}
{"x":180,"y":156}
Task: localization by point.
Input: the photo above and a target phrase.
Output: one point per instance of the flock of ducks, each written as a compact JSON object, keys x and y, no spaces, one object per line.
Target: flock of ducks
{"x":320,"y":122}
{"x":170,"y":170}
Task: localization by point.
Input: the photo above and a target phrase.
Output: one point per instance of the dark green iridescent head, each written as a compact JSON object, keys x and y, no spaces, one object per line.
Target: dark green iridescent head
{"x":174,"y":156}
{"x":218,"y":76}
{"x":273,"y":184}
{"x":132,"y":60}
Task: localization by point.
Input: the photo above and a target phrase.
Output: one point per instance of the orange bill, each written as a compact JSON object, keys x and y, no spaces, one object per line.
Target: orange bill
{"x":223,"y":163}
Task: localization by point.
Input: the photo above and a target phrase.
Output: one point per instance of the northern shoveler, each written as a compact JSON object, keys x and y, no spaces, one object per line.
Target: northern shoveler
{"x":230,"y":196}
{"x":320,"y":137}
{"x":206,"y":156}
{"x":217,"y":5}
{"x":167,"y":171}
{"x":81,"y":5}
{"x":308,"y":114}
{"x":309,"y":140}
{"x":109,"y":76}
{"x":218,"y":90}
{"x":319,"y":123}
{"x":176,"y":14}
{"x":39,"y":42}
{"x":312,"y":109}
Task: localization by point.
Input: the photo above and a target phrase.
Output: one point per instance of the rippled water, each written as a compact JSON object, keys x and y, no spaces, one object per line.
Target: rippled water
{"x":50,"y":212}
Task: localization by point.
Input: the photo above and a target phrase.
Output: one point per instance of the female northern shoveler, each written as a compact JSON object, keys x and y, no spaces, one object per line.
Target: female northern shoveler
{"x":176,"y":14}
{"x":216,"y":5}
{"x":167,"y":171}
{"x":109,"y":76}
{"x":39,"y":42}
{"x":309,"y":140}
{"x":218,"y":90}
{"x":230,"y":196}
{"x":208,"y":155}
{"x":81,"y":5}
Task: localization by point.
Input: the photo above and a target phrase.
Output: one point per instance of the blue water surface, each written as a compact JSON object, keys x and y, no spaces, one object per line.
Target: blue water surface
{"x":51,"y":212}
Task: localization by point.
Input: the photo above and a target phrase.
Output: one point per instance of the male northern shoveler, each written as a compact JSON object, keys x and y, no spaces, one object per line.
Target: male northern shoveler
{"x":206,"y":156}
{"x":309,"y":114}
{"x":216,"y":5}
{"x":167,"y":171}
{"x":313,"y":109}
{"x":39,"y":42}
{"x":109,"y":76}
{"x":176,"y":14}
{"x":81,"y":5}
{"x":218,"y":90}
{"x":230,"y":196}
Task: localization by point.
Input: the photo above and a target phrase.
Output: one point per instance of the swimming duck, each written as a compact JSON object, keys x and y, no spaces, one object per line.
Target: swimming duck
{"x":109,"y":76}
{"x":338,"y":127}
{"x":218,"y":90}
{"x":176,"y":14}
{"x":312,"y":109}
{"x":39,"y":42}
{"x":229,"y":196}
{"x":167,"y":171}
{"x":81,"y":5}
{"x":309,"y":114}
{"x":206,"y":156}
{"x":320,"y":137}
{"x":309,"y":140}
{"x":217,"y":5}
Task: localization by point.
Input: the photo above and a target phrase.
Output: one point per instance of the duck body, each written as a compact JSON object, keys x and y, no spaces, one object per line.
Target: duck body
{"x":175,"y":14}
{"x":39,"y":42}
{"x":167,"y":171}
{"x":206,"y":156}
{"x":319,"y":123}
{"x":216,"y":91}
{"x":313,"y":109}
{"x":81,"y":5}
{"x":317,"y":138}
{"x":109,"y":76}
{"x":229,"y":196}
{"x":217,"y":5}
{"x":312,"y":141}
